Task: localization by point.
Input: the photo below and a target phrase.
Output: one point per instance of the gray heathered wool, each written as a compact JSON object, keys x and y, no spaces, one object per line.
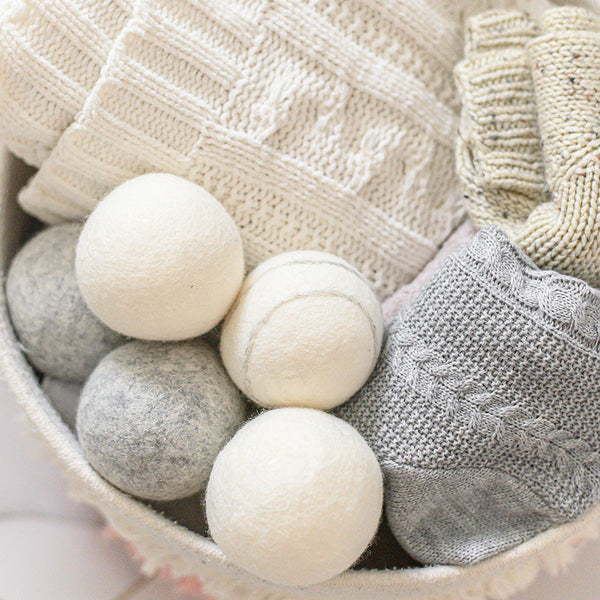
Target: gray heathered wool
{"x":59,"y":335}
{"x":152,"y":417}
{"x":484,"y":409}
{"x":64,"y":397}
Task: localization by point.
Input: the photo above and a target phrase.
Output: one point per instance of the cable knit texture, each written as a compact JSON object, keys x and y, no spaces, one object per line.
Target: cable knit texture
{"x":320,"y":125}
{"x":51,"y":53}
{"x":485,"y":436}
{"x":530,"y":134}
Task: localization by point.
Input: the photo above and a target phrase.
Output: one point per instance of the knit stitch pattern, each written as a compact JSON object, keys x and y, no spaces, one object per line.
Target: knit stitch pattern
{"x":529,"y":137}
{"x":485,"y":435}
{"x":51,"y":53}
{"x":320,"y":125}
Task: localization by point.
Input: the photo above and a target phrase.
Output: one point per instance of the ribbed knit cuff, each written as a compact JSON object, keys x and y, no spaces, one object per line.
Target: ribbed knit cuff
{"x":483,"y":408}
{"x":529,"y":141}
{"x":51,"y":53}
{"x":562,"y":233}
{"x":499,"y":155}
{"x":497,"y":29}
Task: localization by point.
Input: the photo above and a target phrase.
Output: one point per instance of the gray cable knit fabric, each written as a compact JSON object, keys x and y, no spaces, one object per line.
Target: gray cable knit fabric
{"x":484,"y":409}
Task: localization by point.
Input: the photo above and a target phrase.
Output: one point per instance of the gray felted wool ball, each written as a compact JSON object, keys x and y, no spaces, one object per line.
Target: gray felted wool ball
{"x":153,"y":417}
{"x":64,"y":397}
{"x":59,"y":334}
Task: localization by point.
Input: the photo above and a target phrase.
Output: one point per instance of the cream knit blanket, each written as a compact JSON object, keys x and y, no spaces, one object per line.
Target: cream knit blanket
{"x":320,"y":125}
{"x":51,"y":53}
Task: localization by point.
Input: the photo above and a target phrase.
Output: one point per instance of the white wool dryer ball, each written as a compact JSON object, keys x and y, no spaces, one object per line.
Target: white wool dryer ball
{"x":160,"y":259}
{"x":306,"y":330}
{"x":295,"y":497}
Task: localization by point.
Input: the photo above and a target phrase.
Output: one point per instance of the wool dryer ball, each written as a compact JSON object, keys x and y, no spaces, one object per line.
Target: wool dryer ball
{"x":152,"y":417}
{"x":58,"y":333}
{"x":160,"y":259}
{"x":295,"y":497}
{"x":306,"y":330}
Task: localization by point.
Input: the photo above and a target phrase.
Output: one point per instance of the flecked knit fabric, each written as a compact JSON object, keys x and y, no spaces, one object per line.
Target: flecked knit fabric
{"x":51,"y":53}
{"x":530,"y":134}
{"x":320,"y":125}
{"x":483,"y":409}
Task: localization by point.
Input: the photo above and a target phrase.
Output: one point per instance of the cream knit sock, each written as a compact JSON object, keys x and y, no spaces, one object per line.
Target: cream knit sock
{"x":51,"y":53}
{"x":499,"y":155}
{"x":506,"y":143}
{"x":325,"y":125}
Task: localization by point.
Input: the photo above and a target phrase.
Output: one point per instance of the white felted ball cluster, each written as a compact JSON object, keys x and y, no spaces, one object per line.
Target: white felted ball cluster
{"x":306,"y":330}
{"x":295,"y":497}
{"x":160,"y":259}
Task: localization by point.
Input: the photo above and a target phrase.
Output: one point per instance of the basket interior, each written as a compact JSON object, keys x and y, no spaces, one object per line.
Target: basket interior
{"x":174,"y":533}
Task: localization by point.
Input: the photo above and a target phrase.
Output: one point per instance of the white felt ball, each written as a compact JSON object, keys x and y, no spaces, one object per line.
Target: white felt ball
{"x":160,"y":259}
{"x":295,"y":497}
{"x":306,"y":330}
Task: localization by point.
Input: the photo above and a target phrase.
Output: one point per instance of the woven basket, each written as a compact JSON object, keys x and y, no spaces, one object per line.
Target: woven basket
{"x":163,"y":543}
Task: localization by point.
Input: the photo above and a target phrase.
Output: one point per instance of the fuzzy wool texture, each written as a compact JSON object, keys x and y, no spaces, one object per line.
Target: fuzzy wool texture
{"x":152,"y":417}
{"x":482,"y":410}
{"x":58,"y":333}
{"x":306,"y":330}
{"x":160,"y":259}
{"x":64,"y":397}
{"x":51,"y":53}
{"x":163,"y":543}
{"x":295,"y":497}
{"x":323,"y":126}
{"x":530,"y":132}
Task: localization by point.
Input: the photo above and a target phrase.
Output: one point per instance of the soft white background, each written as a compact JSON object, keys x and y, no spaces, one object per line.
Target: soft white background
{"x":53,"y":549}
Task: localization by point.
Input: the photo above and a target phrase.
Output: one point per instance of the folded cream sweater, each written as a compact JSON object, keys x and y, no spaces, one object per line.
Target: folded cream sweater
{"x":320,"y":125}
{"x":325,"y":125}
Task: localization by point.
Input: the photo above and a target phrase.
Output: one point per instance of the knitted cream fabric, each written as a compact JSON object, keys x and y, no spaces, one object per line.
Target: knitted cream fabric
{"x":530,"y":134}
{"x":483,"y":409}
{"x":321,"y":125}
{"x":163,"y":544}
{"x":51,"y":53}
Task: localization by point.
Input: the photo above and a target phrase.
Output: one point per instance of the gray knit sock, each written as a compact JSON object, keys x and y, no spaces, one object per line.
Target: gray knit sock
{"x":483,"y":409}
